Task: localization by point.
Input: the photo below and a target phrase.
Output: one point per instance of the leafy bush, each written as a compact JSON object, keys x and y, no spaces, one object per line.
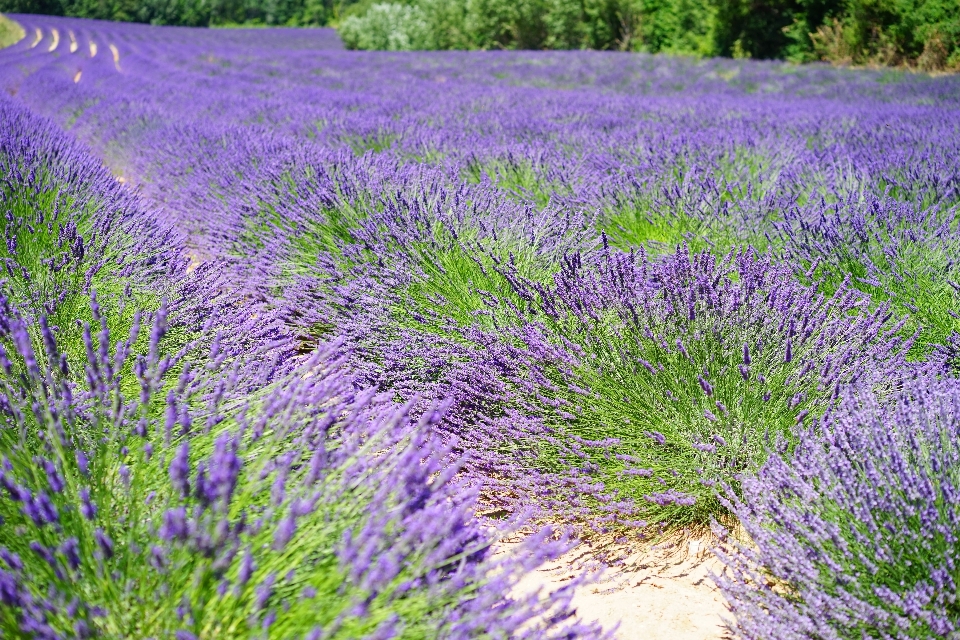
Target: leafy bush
{"x":10,"y":32}
{"x":920,"y":33}
{"x":388,"y":27}
{"x":632,"y":387}
{"x":925,"y":33}
{"x":858,"y":534}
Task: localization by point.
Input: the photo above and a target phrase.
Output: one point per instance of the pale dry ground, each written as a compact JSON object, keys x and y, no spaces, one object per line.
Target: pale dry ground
{"x":666,"y":594}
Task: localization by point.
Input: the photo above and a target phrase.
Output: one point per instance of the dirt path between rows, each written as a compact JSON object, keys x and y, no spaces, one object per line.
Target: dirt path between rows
{"x":666,"y":594}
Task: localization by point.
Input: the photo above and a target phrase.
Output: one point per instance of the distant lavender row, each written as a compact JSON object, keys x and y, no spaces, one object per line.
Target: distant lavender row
{"x":627,"y":280}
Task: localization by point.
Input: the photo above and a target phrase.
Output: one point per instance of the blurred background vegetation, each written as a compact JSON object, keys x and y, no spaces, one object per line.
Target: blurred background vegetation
{"x":923,"y":34}
{"x":10,"y":32}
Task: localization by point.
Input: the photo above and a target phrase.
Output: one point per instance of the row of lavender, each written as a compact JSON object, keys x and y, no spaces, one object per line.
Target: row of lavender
{"x":172,"y":467}
{"x":640,"y":294}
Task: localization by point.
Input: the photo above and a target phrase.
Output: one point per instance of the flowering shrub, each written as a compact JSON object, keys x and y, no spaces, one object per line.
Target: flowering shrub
{"x":855,"y":535}
{"x":667,"y":379}
{"x":69,"y":229}
{"x":900,"y":253}
{"x":308,"y":508}
{"x":181,"y":472}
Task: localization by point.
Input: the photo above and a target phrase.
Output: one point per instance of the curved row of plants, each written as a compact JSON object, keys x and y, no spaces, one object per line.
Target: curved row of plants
{"x":172,"y":468}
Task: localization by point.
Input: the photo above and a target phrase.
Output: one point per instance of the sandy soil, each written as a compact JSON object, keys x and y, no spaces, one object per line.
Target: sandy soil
{"x":116,"y":56}
{"x":665,"y":594}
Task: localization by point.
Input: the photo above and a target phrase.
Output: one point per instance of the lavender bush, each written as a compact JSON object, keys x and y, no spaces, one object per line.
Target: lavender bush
{"x":310,"y":510}
{"x":666,"y":379}
{"x":193,"y":476}
{"x":855,"y":535}
{"x":900,"y":253}
{"x":69,"y":229}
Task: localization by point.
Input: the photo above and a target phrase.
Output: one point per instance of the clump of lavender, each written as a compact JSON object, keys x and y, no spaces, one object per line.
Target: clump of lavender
{"x":715,"y":200}
{"x":664,"y":380}
{"x":858,"y":533}
{"x":195,"y":507}
{"x":900,"y":253}
{"x":406,"y":247}
{"x":69,"y":229}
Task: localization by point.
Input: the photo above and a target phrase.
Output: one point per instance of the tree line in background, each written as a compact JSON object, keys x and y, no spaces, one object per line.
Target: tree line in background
{"x":921,"y":33}
{"x":192,"y":13}
{"x":918,"y":33}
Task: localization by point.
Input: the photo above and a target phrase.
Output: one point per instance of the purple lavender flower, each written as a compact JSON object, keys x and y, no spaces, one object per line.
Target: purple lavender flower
{"x":860,"y":523}
{"x":246,"y":568}
{"x":174,"y":525}
{"x":707,"y":388}
{"x":87,"y":508}
{"x":224,"y":467}
{"x":180,"y":470}
{"x":656,"y":436}
{"x":263,"y":592}
{"x":71,"y":551}
{"x":104,"y":542}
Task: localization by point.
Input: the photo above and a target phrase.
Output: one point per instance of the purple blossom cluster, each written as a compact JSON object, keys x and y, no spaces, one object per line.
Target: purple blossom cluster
{"x":624,"y":292}
{"x":312,"y":510}
{"x":856,"y":534}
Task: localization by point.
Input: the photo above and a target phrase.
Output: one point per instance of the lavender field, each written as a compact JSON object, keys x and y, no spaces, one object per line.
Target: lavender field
{"x":300,"y":342}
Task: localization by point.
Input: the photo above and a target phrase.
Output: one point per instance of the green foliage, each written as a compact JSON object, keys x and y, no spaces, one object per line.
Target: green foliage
{"x":629,"y":402}
{"x":673,"y":26}
{"x":518,"y":178}
{"x":387,"y":27}
{"x":641,"y":218}
{"x":921,"y":33}
{"x":189,"y":12}
{"x":924,"y":34}
{"x":660,"y":231}
{"x":10,"y":32}
{"x":459,"y":280}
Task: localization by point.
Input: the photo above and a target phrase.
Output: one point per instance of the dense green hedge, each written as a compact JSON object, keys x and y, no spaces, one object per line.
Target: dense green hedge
{"x":920,"y":33}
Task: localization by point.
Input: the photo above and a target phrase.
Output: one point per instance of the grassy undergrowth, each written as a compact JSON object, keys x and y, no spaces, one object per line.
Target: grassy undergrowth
{"x":518,"y":178}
